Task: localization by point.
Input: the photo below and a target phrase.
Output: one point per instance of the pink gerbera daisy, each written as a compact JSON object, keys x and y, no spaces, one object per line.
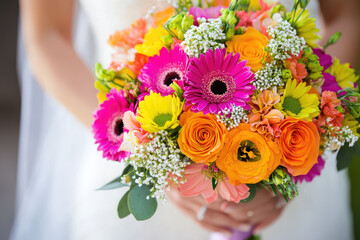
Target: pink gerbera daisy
{"x":217,"y":80}
{"x":108,"y":127}
{"x":158,"y":74}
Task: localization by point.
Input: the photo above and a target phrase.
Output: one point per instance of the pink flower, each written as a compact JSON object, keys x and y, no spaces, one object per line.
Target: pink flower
{"x":207,"y":13}
{"x":197,"y":183}
{"x":108,"y":126}
{"x":133,"y":125}
{"x":314,"y":171}
{"x":158,"y":74}
{"x":217,"y":80}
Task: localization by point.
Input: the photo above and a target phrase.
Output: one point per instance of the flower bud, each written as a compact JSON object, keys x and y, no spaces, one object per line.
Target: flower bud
{"x":167,"y":40}
{"x":286,"y":74}
{"x":315,"y":66}
{"x":316,"y":75}
{"x":104,"y":74}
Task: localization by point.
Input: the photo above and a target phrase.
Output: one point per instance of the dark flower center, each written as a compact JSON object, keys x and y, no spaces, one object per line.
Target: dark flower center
{"x":119,"y":127}
{"x":170,"y":77}
{"x":248,"y":152}
{"x":218,"y":87}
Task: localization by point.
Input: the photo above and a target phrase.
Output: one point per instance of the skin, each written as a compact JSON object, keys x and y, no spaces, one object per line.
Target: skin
{"x":47,"y":29}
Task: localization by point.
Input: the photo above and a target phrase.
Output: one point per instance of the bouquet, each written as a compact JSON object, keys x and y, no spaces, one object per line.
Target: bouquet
{"x":221,"y":99}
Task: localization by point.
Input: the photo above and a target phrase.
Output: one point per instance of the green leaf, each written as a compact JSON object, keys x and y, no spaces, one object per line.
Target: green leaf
{"x":126,"y":170}
{"x":139,"y":206}
{"x":116,"y":183}
{"x":252,"y":193}
{"x":332,"y":40}
{"x":346,"y":154}
{"x":123,"y":208}
{"x":214,"y":183}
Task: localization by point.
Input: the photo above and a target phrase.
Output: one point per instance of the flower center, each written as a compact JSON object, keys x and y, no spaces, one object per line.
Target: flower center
{"x":119,"y":127}
{"x":292,"y":104}
{"x":218,"y":87}
{"x":170,"y":77}
{"x":162,"y":118}
{"x":248,"y":152}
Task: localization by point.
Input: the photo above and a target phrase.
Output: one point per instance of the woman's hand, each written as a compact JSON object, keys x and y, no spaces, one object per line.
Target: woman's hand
{"x":223,"y":216}
{"x":259,"y":213}
{"x":214,"y":219}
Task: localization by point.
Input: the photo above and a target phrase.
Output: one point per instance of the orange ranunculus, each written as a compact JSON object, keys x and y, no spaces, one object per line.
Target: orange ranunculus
{"x":251,"y":46}
{"x":201,"y":137}
{"x":299,"y":143}
{"x":247,"y":156}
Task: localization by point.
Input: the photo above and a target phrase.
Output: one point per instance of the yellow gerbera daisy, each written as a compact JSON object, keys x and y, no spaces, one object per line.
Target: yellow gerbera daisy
{"x":298,"y":103}
{"x":158,"y":113}
{"x":152,"y":41}
{"x":353,"y":124}
{"x":306,"y":27}
{"x":345,"y":76}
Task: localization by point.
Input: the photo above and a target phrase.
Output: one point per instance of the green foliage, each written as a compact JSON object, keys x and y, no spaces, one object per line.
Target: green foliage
{"x":116,"y":183}
{"x":280,"y":181}
{"x":346,"y":154}
{"x":141,"y":207}
{"x":123,"y":207}
{"x":332,"y":40}
{"x":181,"y":22}
{"x":214,"y":183}
{"x":252,"y":191}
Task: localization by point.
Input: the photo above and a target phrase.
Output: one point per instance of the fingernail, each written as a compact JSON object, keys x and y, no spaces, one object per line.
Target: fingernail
{"x":244,"y":227}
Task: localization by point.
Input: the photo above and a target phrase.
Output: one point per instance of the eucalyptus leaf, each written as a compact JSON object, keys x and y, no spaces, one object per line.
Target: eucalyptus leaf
{"x":346,"y":154}
{"x":139,"y":206}
{"x":127,"y":170}
{"x":252,"y":193}
{"x":116,"y":183}
{"x":123,"y":208}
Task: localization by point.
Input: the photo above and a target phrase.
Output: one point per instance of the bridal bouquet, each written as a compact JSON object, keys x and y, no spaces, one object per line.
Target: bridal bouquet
{"x":220,"y":99}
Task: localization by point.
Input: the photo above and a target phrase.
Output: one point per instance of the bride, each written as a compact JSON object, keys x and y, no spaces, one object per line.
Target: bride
{"x":59,"y":167}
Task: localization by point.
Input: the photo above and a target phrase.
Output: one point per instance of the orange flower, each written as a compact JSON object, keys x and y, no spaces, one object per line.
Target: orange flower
{"x":299,"y":143}
{"x":297,"y":69}
{"x":247,"y":156}
{"x":201,"y":137}
{"x":251,"y":46}
{"x":264,"y":119}
{"x":160,"y":18}
{"x":130,"y":37}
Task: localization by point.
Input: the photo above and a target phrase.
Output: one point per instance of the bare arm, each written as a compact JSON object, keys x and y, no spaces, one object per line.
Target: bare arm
{"x":47,"y":29}
{"x":342,"y":16}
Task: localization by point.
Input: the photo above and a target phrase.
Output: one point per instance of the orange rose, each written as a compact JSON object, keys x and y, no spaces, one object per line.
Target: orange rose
{"x":251,"y":46}
{"x":299,"y":143}
{"x":247,"y":156}
{"x":201,"y":137}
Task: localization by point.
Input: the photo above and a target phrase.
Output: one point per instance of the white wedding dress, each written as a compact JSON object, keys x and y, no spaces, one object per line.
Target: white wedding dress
{"x":59,"y":167}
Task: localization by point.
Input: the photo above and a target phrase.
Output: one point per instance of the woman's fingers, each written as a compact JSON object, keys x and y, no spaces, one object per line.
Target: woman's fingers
{"x":267,"y":222}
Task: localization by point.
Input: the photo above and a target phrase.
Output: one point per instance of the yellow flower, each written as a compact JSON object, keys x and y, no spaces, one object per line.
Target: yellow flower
{"x":306,"y":27}
{"x":298,"y":103}
{"x":152,"y":41}
{"x":352,"y":123}
{"x":345,"y":76}
{"x":158,"y":113}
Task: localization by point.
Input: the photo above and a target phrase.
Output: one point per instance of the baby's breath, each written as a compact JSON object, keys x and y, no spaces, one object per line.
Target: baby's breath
{"x":336,"y":137}
{"x":231,"y":118}
{"x":208,"y":35}
{"x":269,"y":76}
{"x":285,"y":41}
{"x":154,"y":161}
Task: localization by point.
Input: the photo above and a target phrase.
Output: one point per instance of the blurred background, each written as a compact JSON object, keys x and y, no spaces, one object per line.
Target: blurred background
{"x":10,"y":115}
